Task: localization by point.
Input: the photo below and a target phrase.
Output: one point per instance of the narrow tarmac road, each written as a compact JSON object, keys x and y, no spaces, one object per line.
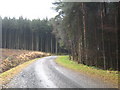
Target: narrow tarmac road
{"x":45,"y":73}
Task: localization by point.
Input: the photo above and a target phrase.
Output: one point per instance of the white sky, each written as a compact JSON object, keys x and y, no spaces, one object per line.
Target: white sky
{"x":31,"y":9}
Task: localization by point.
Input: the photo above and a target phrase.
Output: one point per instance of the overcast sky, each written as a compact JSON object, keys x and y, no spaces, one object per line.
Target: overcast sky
{"x":31,"y":9}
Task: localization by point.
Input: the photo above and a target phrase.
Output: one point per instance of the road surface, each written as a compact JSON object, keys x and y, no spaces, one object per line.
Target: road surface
{"x":45,"y":73}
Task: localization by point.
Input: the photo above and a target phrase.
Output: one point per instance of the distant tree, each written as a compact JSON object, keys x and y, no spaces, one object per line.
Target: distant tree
{"x":29,"y":34}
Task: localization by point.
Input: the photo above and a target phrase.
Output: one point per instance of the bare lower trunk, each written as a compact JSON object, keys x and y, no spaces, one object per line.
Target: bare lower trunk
{"x":56,"y":47}
{"x":104,"y":58}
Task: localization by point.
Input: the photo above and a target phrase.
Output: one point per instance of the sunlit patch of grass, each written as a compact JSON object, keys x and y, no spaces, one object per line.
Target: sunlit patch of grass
{"x":6,"y":76}
{"x":106,"y":75}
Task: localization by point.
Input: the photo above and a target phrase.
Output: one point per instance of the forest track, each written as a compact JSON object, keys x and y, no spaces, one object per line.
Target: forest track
{"x":45,"y":73}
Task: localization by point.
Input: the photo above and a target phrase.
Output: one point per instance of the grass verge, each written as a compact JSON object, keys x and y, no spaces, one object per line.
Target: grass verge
{"x":5,"y":77}
{"x":105,"y":75}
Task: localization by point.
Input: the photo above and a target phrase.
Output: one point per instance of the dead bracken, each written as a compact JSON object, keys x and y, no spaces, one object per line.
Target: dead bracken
{"x":12,"y":58}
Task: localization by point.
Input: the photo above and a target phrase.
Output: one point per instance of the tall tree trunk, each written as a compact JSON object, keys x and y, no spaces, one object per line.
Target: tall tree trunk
{"x":41,"y":43}
{"x":84,"y":31}
{"x":0,"y":33}
{"x":103,"y":36}
{"x":56,"y":47}
{"x":37,"y":42}
{"x":116,"y":30}
{"x":32,"y":41}
{"x":51,"y":44}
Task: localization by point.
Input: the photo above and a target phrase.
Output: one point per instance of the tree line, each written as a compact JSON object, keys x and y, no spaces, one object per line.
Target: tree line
{"x":29,"y":34}
{"x":89,"y":31}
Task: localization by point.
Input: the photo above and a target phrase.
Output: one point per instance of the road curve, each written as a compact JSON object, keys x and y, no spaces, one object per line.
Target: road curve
{"x":45,"y":73}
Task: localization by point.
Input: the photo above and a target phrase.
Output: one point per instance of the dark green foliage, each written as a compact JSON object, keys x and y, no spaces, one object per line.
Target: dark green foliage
{"x":31,"y":35}
{"x":90,"y":32}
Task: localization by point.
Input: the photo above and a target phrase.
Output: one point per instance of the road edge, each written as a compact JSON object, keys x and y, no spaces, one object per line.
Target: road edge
{"x":79,"y":71}
{"x":6,"y":76}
